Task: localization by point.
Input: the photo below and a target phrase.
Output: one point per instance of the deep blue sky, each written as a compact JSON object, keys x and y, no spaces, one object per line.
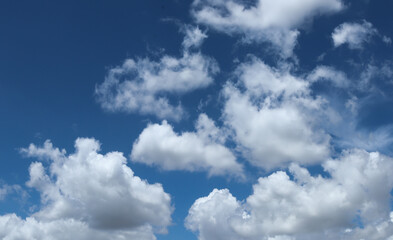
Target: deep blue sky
{"x":54,"y":53}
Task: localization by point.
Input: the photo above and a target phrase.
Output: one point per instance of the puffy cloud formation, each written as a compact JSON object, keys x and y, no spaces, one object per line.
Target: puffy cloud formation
{"x":203,"y":150}
{"x":263,"y":21}
{"x":273,"y":117}
{"x":87,"y":195}
{"x":303,"y":206}
{"x":353,"y":34}
{"x":143,"y":85}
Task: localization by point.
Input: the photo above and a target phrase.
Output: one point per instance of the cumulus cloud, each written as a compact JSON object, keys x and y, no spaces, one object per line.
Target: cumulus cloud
{"x":144,"y":86}
{"x":355,"y":35}
{"x":202,"y":150}
{"x":270,"y":21}
{"x":87,"y":195}
{"x":303,"y":206}
{"x":272,"y":115}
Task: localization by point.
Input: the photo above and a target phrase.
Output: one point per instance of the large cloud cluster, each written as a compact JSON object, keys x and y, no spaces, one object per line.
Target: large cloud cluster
{"x":274,"y":119}
{"x":270,"y":113}
{"x":277,"y":123}
{"x":87,"y":195}
{"x":269,"y":21}
{"x":303,"y":206}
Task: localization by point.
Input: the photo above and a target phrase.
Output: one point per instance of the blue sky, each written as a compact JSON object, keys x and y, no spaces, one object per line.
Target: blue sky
{"x":247,"y":119}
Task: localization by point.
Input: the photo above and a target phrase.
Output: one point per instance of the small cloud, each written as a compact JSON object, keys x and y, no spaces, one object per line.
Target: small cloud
{"x":355,"y":35}
{"x":321,"y":57}
{"x":143,"y":86}
{"x":194,"y":37}
{"x":202,"y":150}
{"x":326,"y":73}
{"x":387,"y":40}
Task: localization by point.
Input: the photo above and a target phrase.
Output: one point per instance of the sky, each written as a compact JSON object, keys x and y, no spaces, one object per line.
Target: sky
{"x":199,"y":119}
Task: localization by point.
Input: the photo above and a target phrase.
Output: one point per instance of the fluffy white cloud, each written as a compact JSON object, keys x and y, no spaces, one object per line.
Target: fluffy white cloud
{"x":143,"y":85}
{"x":272,"y":21}
{"x":305,"y":206}
{"x":327,"y":73}
{"x":353,"y":34}
{"x":88,"y":195}
{"x":203,"y":150}
{"x":273,"y":118}
{"x":207,"y":213}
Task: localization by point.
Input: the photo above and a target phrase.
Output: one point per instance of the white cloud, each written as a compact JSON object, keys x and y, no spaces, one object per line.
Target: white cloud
{"x":327,"y":73}
{"x":274,"y":118}
{"x":143,"y":85}
{"x":305,"y":207}
{"x":194,"y":37}
{"x":210,"y":216}
{"x":203,"y":150}
{"x":261,"y":79}
{"x":46,"y":152}
{"x":353,"y":34}
{"x":88,"y":195}
{"x":271,"y":21}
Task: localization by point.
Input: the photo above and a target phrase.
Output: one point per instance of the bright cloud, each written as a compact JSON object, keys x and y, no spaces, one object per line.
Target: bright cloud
{"x":202,"y":150}
{"x":273,"y":117}
{"x":143,"y":85}
{"x":353,"y":34}
{"x":88,"y":195}
{"x":307,"y":207}
{"x":271,"y":21}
